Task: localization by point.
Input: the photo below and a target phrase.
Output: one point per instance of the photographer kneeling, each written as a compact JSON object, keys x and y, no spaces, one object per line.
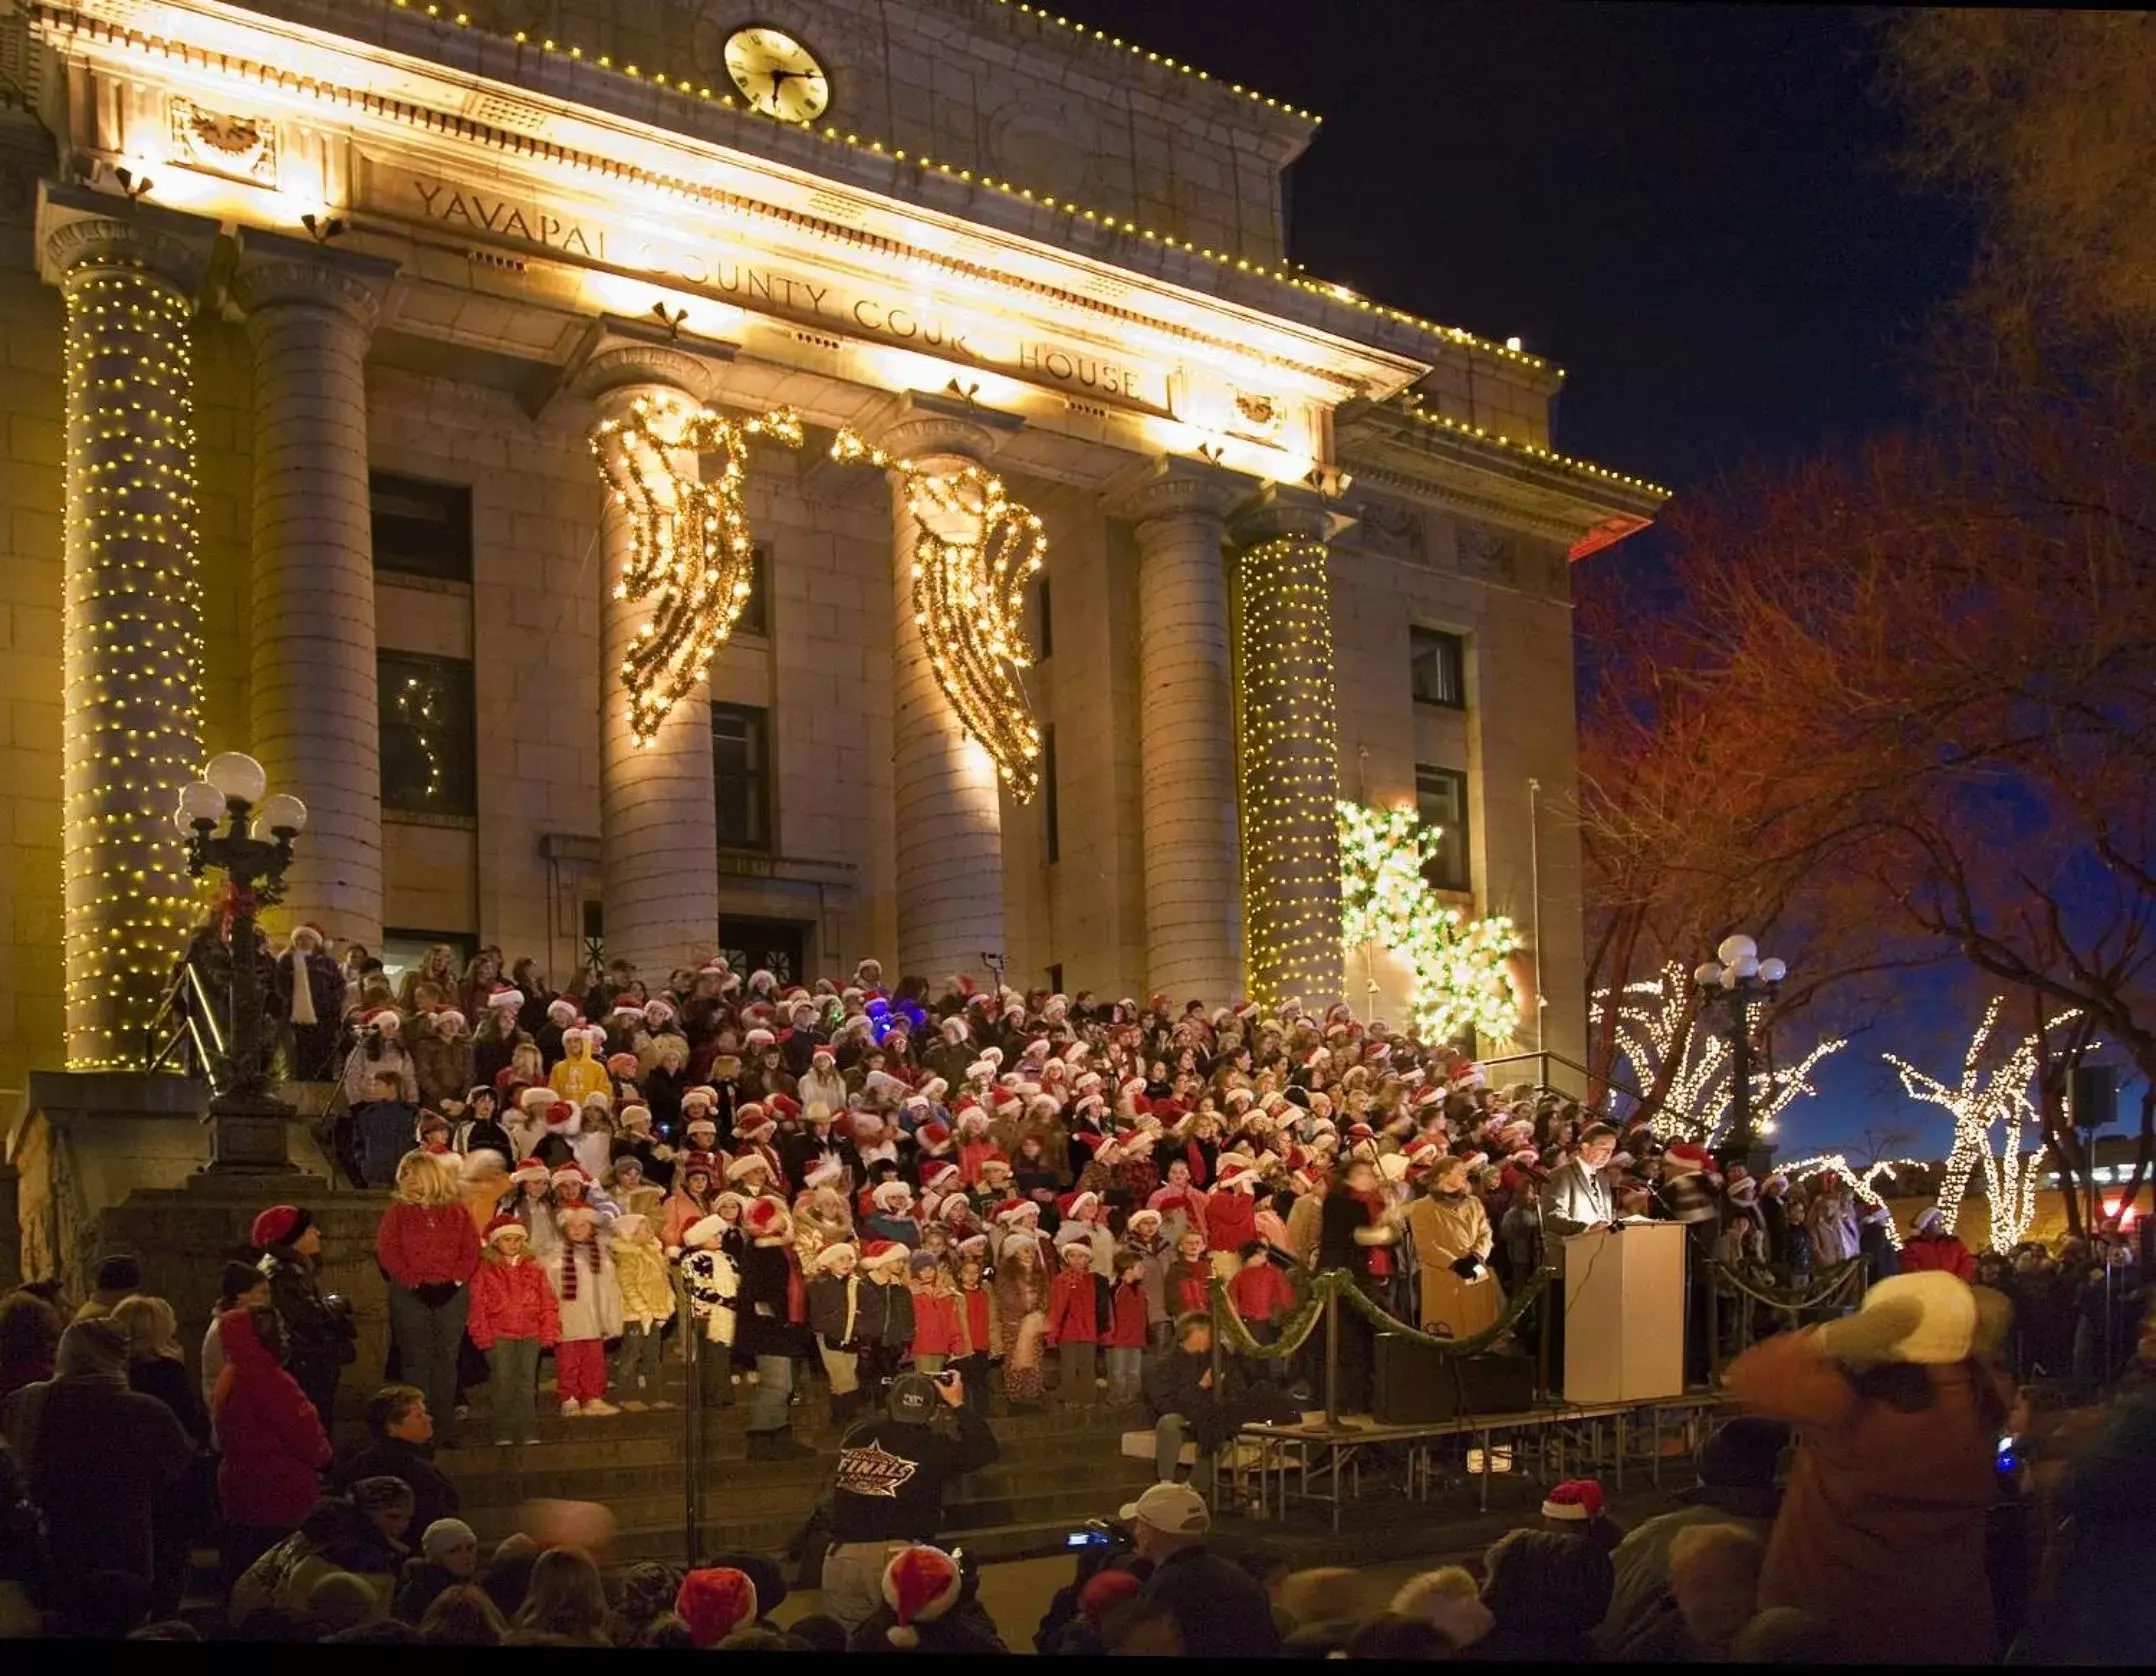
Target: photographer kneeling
{"x":893,"y":1469}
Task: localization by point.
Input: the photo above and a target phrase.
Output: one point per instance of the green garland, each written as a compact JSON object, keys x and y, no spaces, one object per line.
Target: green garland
{"x":1297,"y":1328}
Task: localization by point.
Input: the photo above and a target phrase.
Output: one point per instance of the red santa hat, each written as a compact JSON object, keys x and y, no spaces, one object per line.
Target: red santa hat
{"x":1240,"y":1177}
{"x":766,"y":1219}
{"x":1690,"y":1156}
{"x":759,"y":1039}
{"x":501,"y":995}
{"x":701,"y":1094}
{"x":571,"y":1174}
{"x":891,"y":1196}
{"x":563,"y":1119}
{"x":995,"y":1161}
{"x":562,"y":1011}
{"x":826,"y":1172}
{"x":502,"y":1226}
{"x":1076,"y":1207}
{"x":714,"y":1601}
{"x":528,"y":1169}
{"x":878,"y":1254}
{"x":783,"y":1106}
{"x":825,"y":1052}
{"x":938,"y":1177}
{"x":838,"y":1250}
{"x":755,"y":1134}
{"x":748,"y":1164}
{"x":384,"y":1019}
{"x":622,"y":1065}
{"x":705,"y":1230}
{"x":932,"y":1138}
{"x":1576,"y":1501}
{"x":1147,"y":1215}
{"x":1014,"y":1211}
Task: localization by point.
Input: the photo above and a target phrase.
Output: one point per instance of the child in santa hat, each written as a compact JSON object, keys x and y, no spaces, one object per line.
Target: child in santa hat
{"x":533,"y":1208}
{"x":937,"y":1336}
{"x":1085,"y":1222}
{"x":647,"y":1304}
{"x":713,"y":1285}
{"x":1074,"y":1324}
{"x":590,"y":1300}
{"x":886,"y":1305}
{"x":834,"y":1316}
{"x":513,"y":1317}
{"x":1142,"y":1239}
{"x":892,"y":1215}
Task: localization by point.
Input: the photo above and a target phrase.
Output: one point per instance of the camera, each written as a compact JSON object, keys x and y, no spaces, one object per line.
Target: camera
{"x":946,"y":1377}
{"x":1088,"y":1538}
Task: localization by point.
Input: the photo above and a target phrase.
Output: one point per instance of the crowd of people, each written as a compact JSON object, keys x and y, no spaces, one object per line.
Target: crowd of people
{"x":1022,"y":1197}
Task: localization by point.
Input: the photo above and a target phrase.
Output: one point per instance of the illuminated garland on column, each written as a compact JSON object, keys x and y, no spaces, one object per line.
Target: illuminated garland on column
{"x":690,"y":554}
{"x":1288,"y":770}
{"x":1661,"y":1037}
{"x":969,"y":600}
{"x":2011,"y":1175}
{"x":131,"y":623}
{"x":1462,"y":981}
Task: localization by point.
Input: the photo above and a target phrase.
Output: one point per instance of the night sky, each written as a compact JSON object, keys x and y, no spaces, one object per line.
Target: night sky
{"x":1687,"y":207}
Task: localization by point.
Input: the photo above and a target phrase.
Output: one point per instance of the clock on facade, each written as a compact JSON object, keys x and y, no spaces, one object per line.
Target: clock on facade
{"x":777,"y":74}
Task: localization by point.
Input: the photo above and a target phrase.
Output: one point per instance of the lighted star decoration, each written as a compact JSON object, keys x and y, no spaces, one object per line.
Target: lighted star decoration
{"x":691,"y":561}
{"x":969,"y":600}
{"x":1993,"y":1095}
{"x":1658,"y":1031}
{"x":1862,"y":1182}
{"x":1462,"y":980}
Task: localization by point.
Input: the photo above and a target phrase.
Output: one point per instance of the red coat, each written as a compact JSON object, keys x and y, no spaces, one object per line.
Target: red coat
{"x":417,"y":1244}
{"x":936,"y":1331}
{"x":1074,"y":1307}
{"x":513,"y":1300}
{"x":1126,"y":1318}
{"x":972,"y":1155}
{"x":1188,"y":1287}
{"x":1260,"y":1291}
{"x":978,"y":1320}
{"x":1938,"y":1251}
{"x":271,"y":1436}
{"x":1231,"y":1220}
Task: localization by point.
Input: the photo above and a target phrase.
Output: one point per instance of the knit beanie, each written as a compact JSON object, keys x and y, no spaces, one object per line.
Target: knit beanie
{"x":444,"y":1534}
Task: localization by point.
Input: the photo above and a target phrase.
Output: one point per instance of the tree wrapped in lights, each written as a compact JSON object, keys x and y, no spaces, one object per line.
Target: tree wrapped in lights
{"x":1861,"y":1182}
{"x":1462,"y":981}
{"x":969,"y":600}
{"x":691,"y":559}
{"x":1656,"y":1030}
{"x":1993,"y":1094}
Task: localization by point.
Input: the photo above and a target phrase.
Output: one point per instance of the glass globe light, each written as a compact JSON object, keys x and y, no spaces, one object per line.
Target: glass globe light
{"x":282,"y":813}
{"x":1773,"y":971}
{"x":200,"y":801}
{"x":1745,"y":968}
{"x":237,"y":775}
{"x":1735,"y":947}
{"x":1730,"y":980}
{"x":1707,"y":974}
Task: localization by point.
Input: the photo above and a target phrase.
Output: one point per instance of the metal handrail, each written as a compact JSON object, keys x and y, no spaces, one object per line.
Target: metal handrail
{"x":1545,"y":1055}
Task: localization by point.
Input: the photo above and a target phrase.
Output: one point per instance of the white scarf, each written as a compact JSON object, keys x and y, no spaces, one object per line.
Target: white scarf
{"x":302,"y":988}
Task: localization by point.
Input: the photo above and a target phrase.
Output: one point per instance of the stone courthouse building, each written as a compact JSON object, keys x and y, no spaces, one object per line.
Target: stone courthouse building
{"x":314,"y":309}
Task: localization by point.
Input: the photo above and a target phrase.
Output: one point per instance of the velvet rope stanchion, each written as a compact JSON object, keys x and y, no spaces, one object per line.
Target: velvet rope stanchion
{"x":1338,"y":1282}
{"x":1835,"y":1282}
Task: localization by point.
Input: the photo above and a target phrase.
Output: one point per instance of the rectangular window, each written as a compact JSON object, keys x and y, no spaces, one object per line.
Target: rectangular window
{"x":1441,"y":801}
{"x":425,"y":708}
{"x":1438,"y":665}
{"x":741,"y":775}
{"x":421,"y":528}
{"x":755,"y":615}
{"x":1044,"y":624}
{"x":1051,"y":820}
{"x":1055,"y":978}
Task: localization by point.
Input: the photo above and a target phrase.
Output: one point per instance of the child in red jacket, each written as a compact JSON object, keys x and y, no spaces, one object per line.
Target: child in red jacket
{"x":937,"y":1335}
{"x":1261,"y":1295}
{"x":514,"y":1317}
{"x":1074,"y":1321}
{"x":1186,"y":1287}
{"x":1124,"y":1340}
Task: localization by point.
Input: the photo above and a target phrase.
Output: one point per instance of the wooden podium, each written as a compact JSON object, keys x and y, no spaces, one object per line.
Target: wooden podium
{"x":1624,"y":1313}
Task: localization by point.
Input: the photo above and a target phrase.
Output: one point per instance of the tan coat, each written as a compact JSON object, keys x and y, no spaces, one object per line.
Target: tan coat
{"x":1445,"y":1230}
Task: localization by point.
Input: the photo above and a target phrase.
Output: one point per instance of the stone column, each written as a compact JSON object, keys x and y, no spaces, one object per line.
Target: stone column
{"x":131,"y":609}
{"x":1289,"y":766}
{"x":948,"y":808}
{"x":1186,"y":731}
{"x":312,"y":705}
{"x":658,"y":817}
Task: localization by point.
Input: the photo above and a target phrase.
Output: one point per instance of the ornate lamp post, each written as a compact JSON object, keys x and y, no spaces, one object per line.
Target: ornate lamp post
{"x":247,"y":1123}
{"x":1738,"y":976}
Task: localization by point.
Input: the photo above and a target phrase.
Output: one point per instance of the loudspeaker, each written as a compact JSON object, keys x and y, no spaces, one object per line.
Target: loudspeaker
{"x":2092,"y":1096}
{"x":1415,"y":1385}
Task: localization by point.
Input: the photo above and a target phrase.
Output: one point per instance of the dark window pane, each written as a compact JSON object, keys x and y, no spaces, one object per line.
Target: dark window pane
{"x":1441,"y":801}
{"x":426,"y":734}
{"x":755,"y":615}
{"x":1051,"y":814}
{"x":770,"y":945}
{"x":1438,"y":668}
{"x":421,"y":528}
{"x":741,"y":776}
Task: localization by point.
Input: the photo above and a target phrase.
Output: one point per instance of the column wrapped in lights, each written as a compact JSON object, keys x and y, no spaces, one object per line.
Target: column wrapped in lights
{"x":131,"y":618}
{"x":1288,"y":770}
{"x":658,"y":819}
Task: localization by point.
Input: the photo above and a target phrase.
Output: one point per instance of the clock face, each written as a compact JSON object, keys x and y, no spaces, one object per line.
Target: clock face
{"x":777,"y":74}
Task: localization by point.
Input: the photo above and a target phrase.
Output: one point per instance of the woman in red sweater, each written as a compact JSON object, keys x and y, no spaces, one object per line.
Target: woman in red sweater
{"x":1074,"y":1312}
{"x":429,"y":1251}
{"x":273,"y":1443}
{"x":1124,"y":1340}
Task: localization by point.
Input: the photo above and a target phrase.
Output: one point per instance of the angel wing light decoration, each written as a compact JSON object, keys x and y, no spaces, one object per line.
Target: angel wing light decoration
{"x":691,"y":559}
{"x":969,"y":600}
